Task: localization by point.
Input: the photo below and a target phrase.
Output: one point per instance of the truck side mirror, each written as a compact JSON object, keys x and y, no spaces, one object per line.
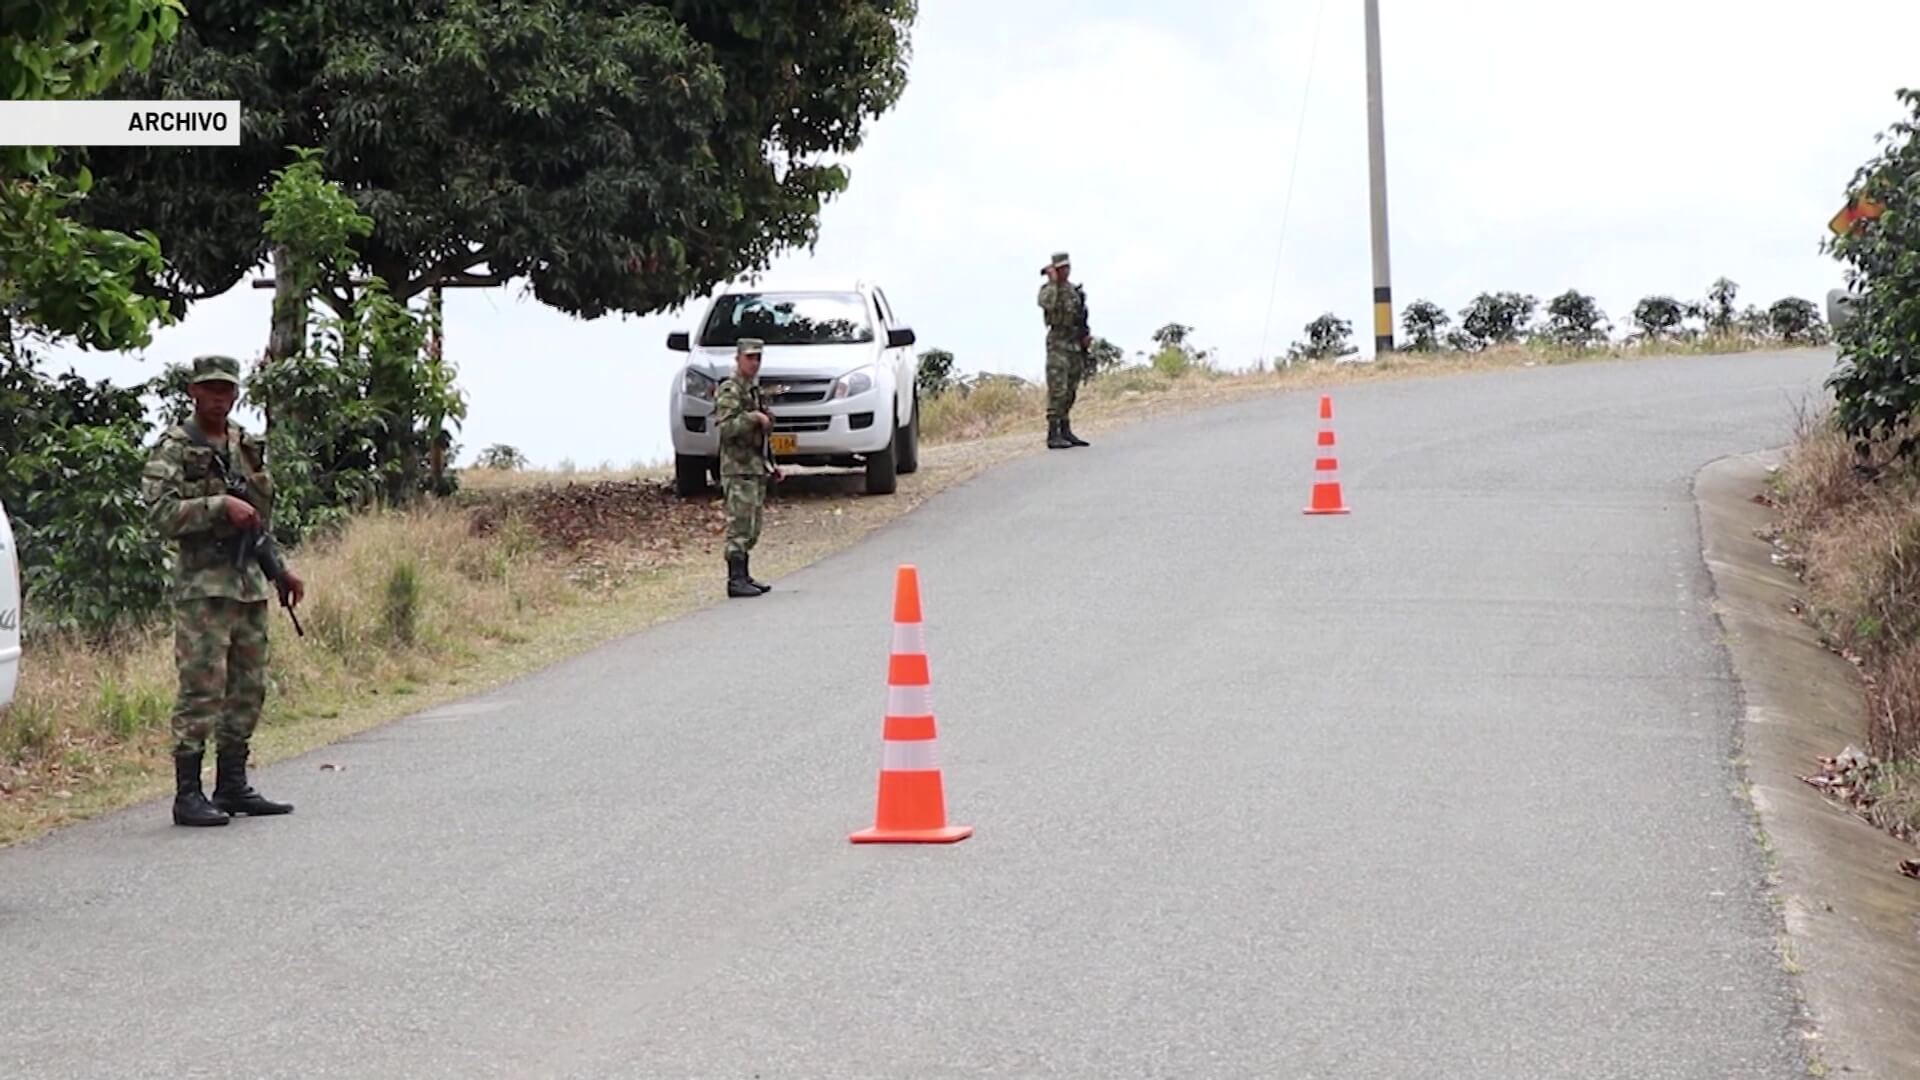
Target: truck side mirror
{"x":900,"y":337}
{"x":679,"y":342}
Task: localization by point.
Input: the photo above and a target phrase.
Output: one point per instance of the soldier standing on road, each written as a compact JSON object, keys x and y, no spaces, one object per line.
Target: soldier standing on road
{"x":746,"y":463}
{"x":1064,"y":307}
{"x":220,"y":608}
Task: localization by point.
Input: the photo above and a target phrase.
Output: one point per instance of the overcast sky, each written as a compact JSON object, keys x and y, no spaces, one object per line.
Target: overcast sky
{"x":1623,"y":149}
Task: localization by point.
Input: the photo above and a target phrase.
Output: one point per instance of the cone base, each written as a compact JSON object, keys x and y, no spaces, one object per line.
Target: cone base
{"x":947,"y":835}
{"x":1335,"y":510}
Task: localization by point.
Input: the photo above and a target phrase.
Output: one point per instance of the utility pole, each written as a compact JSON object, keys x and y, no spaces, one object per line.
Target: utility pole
{"x":1377,"y":161}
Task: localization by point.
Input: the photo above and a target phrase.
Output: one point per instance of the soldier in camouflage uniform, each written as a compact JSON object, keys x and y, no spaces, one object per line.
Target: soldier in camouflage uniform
{"x":1064,"y":307}
{"x":220,"y":608}
{"x":746,"y":463}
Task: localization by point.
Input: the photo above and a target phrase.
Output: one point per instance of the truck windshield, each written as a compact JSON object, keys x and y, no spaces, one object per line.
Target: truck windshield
{"x":789,"y":319}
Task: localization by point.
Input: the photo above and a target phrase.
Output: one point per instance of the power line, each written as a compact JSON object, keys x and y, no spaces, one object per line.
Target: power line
{"x":1293,"y":173}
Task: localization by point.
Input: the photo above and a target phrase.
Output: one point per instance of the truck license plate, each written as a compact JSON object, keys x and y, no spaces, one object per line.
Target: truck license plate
{"x":782,"y":444}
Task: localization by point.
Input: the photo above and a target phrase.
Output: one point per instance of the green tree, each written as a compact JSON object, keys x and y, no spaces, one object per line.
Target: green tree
{"x":1722,"y":316}
{"x":1328,"y":337}
{"x":70,"y":459}
{"x":936,"y":372}
{"x":1576,"y":319}
{"x":1104,"y":356}
{"x":71,"y":453}
{"x":1497,"y":318}
{"x":1173,"y":335}
{"x":501,"y":457}
{"x":1658,"y":316}
{"x":1426,"y":323}
{"x":59,"y":278}
{"x":359,"y":409}
{"x":1877,"y":383}
{"x":619,"y":156}
{"x":1796,"y":321}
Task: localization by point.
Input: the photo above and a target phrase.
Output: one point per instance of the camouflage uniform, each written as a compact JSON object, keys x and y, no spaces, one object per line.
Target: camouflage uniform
{"x":1064,"y":307}
{"x":746,"y":469}
{"x":220,"y":609}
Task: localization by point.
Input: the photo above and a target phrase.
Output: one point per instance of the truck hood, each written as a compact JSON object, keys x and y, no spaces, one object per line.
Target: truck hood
{"x":790,"y":361}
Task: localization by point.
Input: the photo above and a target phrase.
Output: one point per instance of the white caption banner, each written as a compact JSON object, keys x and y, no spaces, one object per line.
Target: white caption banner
{"x":119,"y":123}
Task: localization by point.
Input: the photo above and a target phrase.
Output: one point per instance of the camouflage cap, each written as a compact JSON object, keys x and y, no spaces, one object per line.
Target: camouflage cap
{"x":215,"y":369}
{"x":749,"y":345}
{"x":1059,"y":259}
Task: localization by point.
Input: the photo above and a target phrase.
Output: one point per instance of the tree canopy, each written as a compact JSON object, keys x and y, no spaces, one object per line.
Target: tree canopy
{"x":619,"y":156}
{"x":57,"y":277}
{"x":1875,"y":385}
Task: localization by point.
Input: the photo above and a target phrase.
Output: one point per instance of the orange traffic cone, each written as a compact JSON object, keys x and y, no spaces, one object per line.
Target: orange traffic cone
{"x":911,"y":808}
{"x":1326,"y":468}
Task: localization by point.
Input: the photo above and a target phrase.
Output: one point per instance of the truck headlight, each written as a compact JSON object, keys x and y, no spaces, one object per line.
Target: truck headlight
{"x":854,"y":382}
{"x":701,"y":385}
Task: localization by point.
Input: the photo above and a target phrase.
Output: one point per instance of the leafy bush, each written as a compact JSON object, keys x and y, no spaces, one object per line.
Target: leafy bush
{"x":502,"y":458}
{"x":1876,"y":386}
{"x":1104,"y":357}
{"x":1658,"y":317}
{"x":1796,"y":321}
{"x":361,"y":410}
{"x":1426,"y":323}
{"x":1576,"y":320}
{"x":1328,"y":337}
{"x":936,"y":373}
{"x":70,"y":459}
{"x":1497,"y":318}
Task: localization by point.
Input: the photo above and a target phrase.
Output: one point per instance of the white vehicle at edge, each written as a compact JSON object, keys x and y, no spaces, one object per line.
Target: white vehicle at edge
{"x":839,"y":376}
{"x":9,"y":611}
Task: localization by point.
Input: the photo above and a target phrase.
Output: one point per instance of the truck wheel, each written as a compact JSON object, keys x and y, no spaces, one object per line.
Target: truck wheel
{"x":882,"y":468}
{"x":689,"y":475}
{"x":908,"y":441}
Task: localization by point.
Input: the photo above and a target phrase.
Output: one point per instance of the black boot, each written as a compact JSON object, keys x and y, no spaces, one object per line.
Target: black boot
{"x":737,"y":583}
{"x":746,"y":571}
{"x":1056,"y":440}
{"x":1066,"y":432}
{"x":230,"y":790}
{"x":190,"y":805}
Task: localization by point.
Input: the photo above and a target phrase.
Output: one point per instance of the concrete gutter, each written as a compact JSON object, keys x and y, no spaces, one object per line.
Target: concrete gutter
{"x":1852,"y":921}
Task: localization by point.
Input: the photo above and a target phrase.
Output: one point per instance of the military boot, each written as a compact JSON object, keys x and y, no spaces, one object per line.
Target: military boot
{"x":746,"y":571}
{"x":230,"y":790}
{"x":190,"y":805}
{"x":1055,"y":439}
{"x":1066,"y":432}
{"x":737,"y":582}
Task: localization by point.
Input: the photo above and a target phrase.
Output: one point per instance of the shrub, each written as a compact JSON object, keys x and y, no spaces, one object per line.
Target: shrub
{"x":1576,"y":320}
{"x":1497,"y":318}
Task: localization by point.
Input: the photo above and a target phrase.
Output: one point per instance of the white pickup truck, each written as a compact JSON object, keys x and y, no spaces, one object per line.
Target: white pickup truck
{"x":838,"y":371}
{"x":9,"y":611}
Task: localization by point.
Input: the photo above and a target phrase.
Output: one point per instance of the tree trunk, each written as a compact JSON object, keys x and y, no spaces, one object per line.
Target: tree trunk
{"x":289,"y":334}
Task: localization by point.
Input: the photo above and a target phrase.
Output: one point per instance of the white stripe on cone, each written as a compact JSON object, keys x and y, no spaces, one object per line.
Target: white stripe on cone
{"x":909,"y":701}
{"x":910,"y":638}
{"x":916,"y":755}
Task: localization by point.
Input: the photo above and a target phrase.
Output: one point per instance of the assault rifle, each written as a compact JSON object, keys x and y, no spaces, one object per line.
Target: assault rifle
{"x":254,"y":545}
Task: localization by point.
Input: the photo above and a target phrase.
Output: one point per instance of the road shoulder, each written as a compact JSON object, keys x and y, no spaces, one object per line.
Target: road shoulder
{"x":1852,"y":921}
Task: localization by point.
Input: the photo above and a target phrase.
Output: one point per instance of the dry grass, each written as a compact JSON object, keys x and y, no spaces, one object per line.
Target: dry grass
{"x":527,"y":567}
{"x":1852,"y":527}
{"x":395,"y":604}
{"x":999,"y":408}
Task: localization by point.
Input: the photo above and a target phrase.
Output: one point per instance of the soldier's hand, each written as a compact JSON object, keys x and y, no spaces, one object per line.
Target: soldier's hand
{"x":763,"y":420}
{"x":241,"y":513}
{"x":779,"y":474}
{"x":292,"y":589}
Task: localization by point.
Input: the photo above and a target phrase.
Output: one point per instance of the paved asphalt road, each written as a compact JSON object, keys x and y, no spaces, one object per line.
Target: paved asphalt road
{"x":1440,"y":789}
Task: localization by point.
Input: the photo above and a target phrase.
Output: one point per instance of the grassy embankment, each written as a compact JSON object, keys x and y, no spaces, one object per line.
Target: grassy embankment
{"x":1852,"y":533}
{"x":523,"y":569}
